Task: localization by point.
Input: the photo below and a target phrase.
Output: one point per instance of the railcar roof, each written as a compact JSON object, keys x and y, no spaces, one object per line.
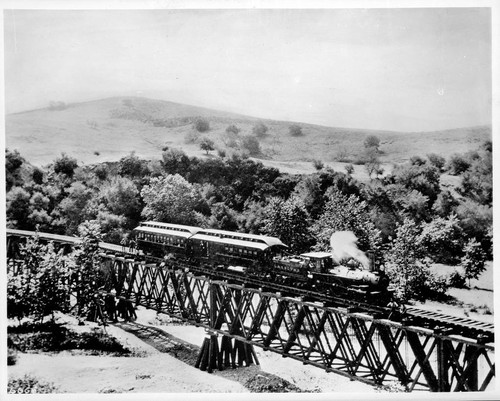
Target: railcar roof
{"x":175,"y":227}
{"x":164,"y":231}
{"x":229,"y":241}
{"x":319,"y":255}
{"x":253,"y":238}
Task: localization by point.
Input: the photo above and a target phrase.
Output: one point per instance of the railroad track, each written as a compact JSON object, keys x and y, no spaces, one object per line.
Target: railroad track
{"x":413,"y":316}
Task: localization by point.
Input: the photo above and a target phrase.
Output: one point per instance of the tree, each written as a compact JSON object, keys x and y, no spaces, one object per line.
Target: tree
{"x":251,"y":144}
{"x":40,"y":286}
{"x":346,"y":213}
{"x":289,"y":221}
{"x":86,"y":276}
{"x":473,"y":260}
{"x":170,"y":199}
{"x":130,"y":166}
{"x":65,"y":165}
{"x":13,"y":163}
{"x":175,"y":161}
{"x":372,"y":141}
{"x":72,"y":209}
{"x":407,"y":265}
{"x":424,"y":178}
{"x":259,"y":130}
{"x":37,"y":176}
{"x":206,"y":144}
{"x":372,"y":162}
{"x":18,"y":208}
{"x":443,"y":239}
{"x":201,"y":125}
{"x":121,"y":197}
{"x":295,"y":130}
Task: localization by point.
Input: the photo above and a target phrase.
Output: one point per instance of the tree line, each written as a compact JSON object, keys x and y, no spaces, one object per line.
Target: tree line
{"x":406,"y":219}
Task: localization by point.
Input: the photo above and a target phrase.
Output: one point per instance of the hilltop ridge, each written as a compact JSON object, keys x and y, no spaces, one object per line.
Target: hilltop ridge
{"x":107,"y":129}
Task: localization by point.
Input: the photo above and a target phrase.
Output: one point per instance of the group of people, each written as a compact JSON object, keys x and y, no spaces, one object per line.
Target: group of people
{"x":109,"y":308}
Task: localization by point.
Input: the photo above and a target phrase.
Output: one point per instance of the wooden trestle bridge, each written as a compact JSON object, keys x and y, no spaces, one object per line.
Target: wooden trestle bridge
{"x":424,"y":351}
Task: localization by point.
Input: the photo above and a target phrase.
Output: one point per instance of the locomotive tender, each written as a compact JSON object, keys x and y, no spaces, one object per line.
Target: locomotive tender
{"x":259,"y":256}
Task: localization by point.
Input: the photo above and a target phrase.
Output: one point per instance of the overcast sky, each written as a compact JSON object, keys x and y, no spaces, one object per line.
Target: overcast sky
{"x":395,"y":69}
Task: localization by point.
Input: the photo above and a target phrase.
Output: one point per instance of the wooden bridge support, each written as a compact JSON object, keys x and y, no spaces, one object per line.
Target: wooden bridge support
{"x":232,"y":351}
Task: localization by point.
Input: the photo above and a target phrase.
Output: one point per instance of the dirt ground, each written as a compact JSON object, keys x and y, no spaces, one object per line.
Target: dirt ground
{"x":149,"y":370}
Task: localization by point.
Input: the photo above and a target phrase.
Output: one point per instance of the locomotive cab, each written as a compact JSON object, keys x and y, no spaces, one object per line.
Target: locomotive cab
{"x":319,"y":262}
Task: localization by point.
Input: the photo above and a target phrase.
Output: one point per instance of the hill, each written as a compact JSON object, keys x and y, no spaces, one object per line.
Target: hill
{"x":108,"y":129}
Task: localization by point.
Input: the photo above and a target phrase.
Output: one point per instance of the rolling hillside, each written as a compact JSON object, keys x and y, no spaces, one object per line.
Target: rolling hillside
{"x":107,"y":129}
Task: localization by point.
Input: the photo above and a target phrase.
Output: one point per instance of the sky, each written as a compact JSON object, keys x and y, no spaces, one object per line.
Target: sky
{"x":414,"y":69}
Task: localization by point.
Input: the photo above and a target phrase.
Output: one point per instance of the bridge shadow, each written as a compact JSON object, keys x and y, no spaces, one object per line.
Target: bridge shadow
{"x":250,"y":377}
{"x":162,"y":341}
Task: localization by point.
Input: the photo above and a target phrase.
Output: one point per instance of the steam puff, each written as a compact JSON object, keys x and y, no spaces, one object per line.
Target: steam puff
{"x":344,"y":246}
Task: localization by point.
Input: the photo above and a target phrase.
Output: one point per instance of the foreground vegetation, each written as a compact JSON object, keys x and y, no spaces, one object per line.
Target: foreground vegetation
{"x":406,"y":219}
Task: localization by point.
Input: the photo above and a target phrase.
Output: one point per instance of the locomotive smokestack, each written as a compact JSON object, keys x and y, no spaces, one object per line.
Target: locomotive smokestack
{"x":344,"y":246}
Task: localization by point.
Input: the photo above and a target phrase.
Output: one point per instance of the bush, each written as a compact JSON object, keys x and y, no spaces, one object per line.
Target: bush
{"x":29,"y":385}
{"x":233,"y":129}
{"x":437,"y":161}
{"x":65,"y":165}
{"x":11,"y":356}
{"x":318,"y":164}
{"x":458,"y":164}
{"x":456,"y":280}
{"x":259,"y":130}
{"x":371,"y":141}
{"x":349,"y":169}
{"x":201,"y":125}
{"x":295,"y":130}
{"x":417,"y":161}
{"x":251,"y":144}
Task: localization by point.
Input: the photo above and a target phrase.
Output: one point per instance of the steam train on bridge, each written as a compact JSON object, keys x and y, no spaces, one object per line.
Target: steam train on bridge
{"x":262,"y":257}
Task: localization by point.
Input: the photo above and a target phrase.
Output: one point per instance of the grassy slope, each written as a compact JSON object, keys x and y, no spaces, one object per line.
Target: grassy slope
{"x":85,"y":128}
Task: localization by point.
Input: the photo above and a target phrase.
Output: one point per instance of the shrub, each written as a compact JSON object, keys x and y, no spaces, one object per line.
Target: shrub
{"x":251,"y":144}
{"x":11,"y":357}
{"x":295,"y":130}
{"x":456,"y":280}
{"x":259,"y":130}
{"x":29,"y":385}
{"x":201,"y":125}
{"x":233,"y":129}
{"x":349,"y":169}
{"x":318,"y":164}
{"x":437,"y":161}
{"x":417,"y":161}
{"x":458,"y":164}
{"x":372,"y":141}
{"x":65,"y":165}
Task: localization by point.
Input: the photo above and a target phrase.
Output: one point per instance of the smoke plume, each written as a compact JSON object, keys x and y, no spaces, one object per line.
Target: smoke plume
{"x":344,"y":246}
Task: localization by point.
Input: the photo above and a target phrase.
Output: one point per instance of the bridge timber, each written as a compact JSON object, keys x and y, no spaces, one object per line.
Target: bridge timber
{"x":364,"y":344}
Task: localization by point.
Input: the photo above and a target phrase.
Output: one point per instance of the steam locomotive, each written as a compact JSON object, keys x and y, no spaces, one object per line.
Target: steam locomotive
{"x":259,"y":256}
